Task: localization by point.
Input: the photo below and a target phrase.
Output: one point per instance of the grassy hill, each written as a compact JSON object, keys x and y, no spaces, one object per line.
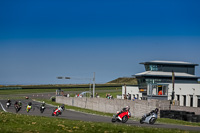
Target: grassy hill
{"x":124,"y":80}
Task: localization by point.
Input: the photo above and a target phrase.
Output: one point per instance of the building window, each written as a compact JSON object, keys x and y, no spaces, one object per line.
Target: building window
{"x":158,"y":90}
{"x":164,"y":89}
{"x":153,"y":67}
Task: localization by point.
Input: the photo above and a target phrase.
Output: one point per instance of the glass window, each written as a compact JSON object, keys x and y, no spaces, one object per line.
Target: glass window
{"x":164,"y":90}
{"x":147,"y":68}
{"x":159,"y":90}
{"x":153,"y":67}
{"x":154,"y":90}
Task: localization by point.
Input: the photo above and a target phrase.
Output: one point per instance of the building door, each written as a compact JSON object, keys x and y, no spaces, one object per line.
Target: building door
{"x":184,"y":100}
{"x":178,"y":99}
{"x":198,"y":104}
{"x":191,"y":101}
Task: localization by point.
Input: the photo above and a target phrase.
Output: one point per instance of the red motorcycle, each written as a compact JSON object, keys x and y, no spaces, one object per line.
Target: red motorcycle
{"x":58,"y":111}
{"x":121,"y":116}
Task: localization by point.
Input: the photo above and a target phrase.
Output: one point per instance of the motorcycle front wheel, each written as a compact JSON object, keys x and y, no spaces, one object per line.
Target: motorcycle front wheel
{"x":113,"y":120}
{"x":141,"y":121}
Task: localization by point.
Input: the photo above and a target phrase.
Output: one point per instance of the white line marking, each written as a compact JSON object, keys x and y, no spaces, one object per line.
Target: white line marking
{"x":3,"y":107}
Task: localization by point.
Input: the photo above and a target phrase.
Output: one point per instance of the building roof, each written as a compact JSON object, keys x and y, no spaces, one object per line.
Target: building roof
{"x":169,"y":62}
{"x":165,"y":74}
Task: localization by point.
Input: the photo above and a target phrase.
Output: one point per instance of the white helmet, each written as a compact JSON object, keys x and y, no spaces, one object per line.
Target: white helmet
{"x":127,"y":107}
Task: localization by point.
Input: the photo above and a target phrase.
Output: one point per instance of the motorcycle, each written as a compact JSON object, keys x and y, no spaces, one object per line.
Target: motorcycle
{"x":8,"y":105}
{"x":58,"y":111}
{"x":17,"y":108}
{"x":42,"y":108}
{"x":121,"y":117}
{"x":150,"y":118}
{"x":28,"y":108}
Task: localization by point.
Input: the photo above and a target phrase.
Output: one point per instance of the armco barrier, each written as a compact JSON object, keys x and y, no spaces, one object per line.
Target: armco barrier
{"x":138,"y":107}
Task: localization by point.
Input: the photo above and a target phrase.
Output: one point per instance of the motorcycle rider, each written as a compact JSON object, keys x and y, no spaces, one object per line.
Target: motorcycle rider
{"x":153,"y":111}
{"x":18,"y":105}
{"x":61,"y":108}
{"x":29,"y":106}
{"x":42,"y":105}
{"x":127,"y":108}
{"x":9,"y":101}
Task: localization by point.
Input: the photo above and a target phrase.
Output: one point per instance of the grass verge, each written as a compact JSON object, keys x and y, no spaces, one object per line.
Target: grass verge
{"x":23,"y":123}
{"x":78,"y":90}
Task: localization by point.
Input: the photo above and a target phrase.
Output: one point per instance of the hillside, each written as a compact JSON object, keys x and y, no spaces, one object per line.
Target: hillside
{"x":124,"y":80}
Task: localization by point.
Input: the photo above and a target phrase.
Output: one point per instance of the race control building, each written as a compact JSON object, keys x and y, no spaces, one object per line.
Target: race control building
{"x":162,"y":78}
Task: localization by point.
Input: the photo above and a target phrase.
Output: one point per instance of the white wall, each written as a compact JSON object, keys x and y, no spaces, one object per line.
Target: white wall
{"x":187,"y":90}
{"x":180,"y":89}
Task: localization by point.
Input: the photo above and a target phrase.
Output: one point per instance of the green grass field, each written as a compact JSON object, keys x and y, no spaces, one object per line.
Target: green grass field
{"x":17,"y":123}
{"x":26,"y":91}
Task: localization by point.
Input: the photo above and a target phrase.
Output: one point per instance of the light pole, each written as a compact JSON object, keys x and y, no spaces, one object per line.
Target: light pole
{"x":173,"y":82}
{"x":94,"y":85}
{"x":93,"y":79}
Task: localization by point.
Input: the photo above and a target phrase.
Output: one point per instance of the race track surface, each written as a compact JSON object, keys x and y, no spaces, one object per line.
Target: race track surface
{"x":73,"y":115}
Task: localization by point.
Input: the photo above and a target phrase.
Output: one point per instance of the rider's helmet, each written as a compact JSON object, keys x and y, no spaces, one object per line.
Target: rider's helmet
{"x":156,"y":110}
{"x":43,"y":102}
{"x":128,"y":108}
{"x":62,"y":106}
{"x":30,"y":103}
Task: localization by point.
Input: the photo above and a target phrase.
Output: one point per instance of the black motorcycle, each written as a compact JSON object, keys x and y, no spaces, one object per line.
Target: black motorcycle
{"x":42,"y":108}
{"x":17,"y":108}
{"x":8,"y":104}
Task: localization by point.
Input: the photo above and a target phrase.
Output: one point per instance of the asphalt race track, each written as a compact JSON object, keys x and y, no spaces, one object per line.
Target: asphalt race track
{"x":73,"y":115}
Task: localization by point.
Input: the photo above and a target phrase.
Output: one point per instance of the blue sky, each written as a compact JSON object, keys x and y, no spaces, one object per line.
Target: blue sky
{"x":40,"y":40}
